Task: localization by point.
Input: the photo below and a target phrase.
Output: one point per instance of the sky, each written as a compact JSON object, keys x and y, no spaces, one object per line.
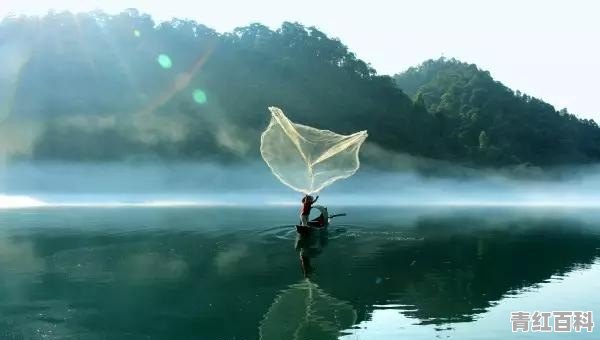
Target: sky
{"x":548,"y":49}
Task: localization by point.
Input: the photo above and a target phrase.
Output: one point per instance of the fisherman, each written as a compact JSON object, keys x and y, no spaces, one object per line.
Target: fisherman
{"x":307,"y":202}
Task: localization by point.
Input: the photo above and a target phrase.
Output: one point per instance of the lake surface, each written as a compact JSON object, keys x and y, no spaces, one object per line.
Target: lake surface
{"x":233,"y":273}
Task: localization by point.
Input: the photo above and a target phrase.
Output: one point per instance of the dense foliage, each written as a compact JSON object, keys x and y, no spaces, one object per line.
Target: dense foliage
{"x":97,"y":87}
{"x":480,"y":119}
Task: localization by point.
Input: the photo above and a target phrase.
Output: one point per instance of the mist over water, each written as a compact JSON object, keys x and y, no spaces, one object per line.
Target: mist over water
{"x":171,"y":184}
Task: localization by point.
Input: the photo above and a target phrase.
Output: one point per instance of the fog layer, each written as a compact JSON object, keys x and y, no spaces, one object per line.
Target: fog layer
{"x":114,"y":184}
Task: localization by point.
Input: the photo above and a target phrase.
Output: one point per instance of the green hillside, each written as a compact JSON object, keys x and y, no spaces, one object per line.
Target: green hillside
{"x":488,"y":123}
{"x":98,"y":87}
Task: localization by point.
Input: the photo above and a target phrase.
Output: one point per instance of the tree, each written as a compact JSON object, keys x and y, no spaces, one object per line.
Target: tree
{"x":484,"y":140}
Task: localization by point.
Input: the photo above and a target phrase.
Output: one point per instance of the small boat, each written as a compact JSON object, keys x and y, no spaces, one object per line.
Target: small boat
{"x":319,"y":223}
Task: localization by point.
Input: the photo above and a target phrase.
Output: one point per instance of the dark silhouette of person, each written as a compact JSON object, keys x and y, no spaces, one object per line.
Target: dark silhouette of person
{"x":309,"y":246}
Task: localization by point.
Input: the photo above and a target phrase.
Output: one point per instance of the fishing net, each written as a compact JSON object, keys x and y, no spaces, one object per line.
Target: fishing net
{"x":308,"y":159}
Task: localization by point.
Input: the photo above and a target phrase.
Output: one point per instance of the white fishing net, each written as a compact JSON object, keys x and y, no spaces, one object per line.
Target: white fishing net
{"x":308,"y":159}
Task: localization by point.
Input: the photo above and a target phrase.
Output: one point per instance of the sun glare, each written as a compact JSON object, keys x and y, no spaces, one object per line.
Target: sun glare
{"x":12,"y":202}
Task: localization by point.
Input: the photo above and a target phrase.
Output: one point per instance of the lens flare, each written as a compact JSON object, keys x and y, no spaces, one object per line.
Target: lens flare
{"x":199,"y":96}
{"x":164,"y":61}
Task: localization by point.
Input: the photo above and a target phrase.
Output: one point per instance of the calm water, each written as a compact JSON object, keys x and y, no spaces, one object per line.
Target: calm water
{"x":182,"y":273}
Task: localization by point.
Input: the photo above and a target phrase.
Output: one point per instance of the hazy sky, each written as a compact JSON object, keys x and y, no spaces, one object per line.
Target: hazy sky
{"x":548,"y":49}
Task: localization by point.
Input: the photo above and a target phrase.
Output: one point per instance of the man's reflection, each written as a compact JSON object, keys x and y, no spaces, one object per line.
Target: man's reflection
{"x":310,"y":246}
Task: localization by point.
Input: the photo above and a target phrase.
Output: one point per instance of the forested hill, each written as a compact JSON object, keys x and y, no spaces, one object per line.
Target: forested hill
{"x":97,"y":87}
{"x":479,"y":119}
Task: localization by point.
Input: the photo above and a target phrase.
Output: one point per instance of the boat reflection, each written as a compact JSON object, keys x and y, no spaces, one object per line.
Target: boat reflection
{"x":311,"y":239}
{"x":309,"y":246}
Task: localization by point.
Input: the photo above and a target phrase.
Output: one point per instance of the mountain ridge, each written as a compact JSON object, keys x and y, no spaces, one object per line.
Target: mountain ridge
{"x":96,"y":87}
{"x":492,"y":119}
